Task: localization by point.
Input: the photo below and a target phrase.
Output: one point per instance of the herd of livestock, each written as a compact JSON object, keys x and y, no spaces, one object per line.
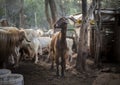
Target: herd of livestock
{"x":30,"y":44}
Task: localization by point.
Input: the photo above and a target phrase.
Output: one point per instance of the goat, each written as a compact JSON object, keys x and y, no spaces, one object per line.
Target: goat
{"x":31,"y":50}
{"x":58,"y":45}
{"x":10,"y":38}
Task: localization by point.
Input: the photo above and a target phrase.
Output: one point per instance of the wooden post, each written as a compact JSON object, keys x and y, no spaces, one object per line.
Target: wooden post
{"x":82,"y":49}
{"x":98,"y":34}
{"x":21,"y":15}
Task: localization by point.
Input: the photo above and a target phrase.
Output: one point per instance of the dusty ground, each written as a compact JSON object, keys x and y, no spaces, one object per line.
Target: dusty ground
{"x":107,"y":79}
{"x":41,"y":74}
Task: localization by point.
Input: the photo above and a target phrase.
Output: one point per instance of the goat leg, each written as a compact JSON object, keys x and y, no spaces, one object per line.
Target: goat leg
{"x":36,"y":59}
{"x":63,"y":66}
{"x":57,"y":65}
{"x":52,"y":65}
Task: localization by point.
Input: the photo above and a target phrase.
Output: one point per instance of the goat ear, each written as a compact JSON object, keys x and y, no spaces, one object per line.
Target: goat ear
{"x":55,"y":25}
{"x":66,"y":19}
{"x":21,"y":28}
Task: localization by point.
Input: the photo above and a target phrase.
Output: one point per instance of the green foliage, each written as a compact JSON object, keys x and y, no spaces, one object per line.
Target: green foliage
{"x":2,"y":10}
{"x":32,"y":6}
{"x":64,"y":8}
{"x":69,"y":6}
{"x":38,"y":6}
{"x":110,"y":3}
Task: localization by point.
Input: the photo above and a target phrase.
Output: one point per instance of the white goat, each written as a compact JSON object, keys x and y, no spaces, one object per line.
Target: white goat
{"x":36,"y":48}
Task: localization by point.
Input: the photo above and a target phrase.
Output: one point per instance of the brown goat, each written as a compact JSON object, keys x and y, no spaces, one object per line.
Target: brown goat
{"x":9,"y":39}
{"x":58,"y":46}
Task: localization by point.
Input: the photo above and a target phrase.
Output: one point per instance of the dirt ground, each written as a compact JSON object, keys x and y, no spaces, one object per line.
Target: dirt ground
{"x":40,"y":74}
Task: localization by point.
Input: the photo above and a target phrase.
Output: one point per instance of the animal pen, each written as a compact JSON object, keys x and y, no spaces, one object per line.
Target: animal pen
{"x":109,"y":36}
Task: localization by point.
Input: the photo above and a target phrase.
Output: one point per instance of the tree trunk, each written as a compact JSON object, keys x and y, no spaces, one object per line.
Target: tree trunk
{"x":62,"y":13}
{"x":82,"y":49}
{"x":98,"y":34}
{"x":22,"y":23}
{"x":47,"y":13}
{"x":53,"y":10}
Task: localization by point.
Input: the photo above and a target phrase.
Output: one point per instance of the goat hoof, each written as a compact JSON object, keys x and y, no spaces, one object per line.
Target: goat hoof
{"x":52,"y":68}
{"x":62,"y":76}
{"x":15,"y":66}
{"x":47,"y":61}
{"x":36,"y":62}
{"x":57,"y":75}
